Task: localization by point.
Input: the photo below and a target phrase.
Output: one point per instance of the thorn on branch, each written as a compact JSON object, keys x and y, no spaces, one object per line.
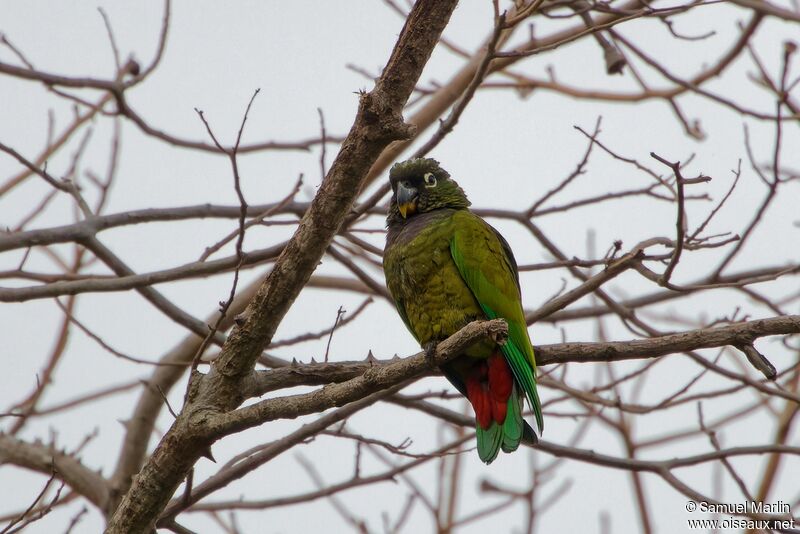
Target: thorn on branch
{"x":207,"y":454}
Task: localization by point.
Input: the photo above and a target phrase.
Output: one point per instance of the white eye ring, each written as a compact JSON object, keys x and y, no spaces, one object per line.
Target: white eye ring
{"x":430,"y":179}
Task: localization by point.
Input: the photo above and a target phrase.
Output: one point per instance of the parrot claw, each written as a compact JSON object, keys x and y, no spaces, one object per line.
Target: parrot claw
{"x":430,"y":350}
{"x":499,"y":338}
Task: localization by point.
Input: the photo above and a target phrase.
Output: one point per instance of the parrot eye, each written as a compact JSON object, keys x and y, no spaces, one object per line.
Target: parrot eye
{"x":430,"y":179}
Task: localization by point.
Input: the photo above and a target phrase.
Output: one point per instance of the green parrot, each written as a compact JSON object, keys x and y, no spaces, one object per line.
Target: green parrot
{"x":445,"y":267}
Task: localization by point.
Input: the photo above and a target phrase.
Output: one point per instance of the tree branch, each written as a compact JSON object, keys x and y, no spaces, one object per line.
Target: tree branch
{"x":43,"y":459}
{"x":373,"y":379}
{"x":704,"y":338}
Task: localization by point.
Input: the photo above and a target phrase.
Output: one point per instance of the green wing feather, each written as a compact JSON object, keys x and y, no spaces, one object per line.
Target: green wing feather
{"x":487,"y":265}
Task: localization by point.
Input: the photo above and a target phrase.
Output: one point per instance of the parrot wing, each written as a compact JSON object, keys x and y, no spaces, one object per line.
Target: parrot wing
{"x":488,"y":267}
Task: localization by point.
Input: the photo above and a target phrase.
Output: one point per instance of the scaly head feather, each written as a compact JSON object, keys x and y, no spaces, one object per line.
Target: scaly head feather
{"x":420,"y":185}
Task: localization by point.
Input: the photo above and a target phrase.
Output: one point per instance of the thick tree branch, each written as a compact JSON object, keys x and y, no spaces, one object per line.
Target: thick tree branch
{"x":235,"y":470}
{"x":374,"y":379}
{"x":741,"y":333}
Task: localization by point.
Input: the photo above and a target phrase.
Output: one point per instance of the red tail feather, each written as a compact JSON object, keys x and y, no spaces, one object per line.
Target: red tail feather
{"x":478,"y":395}
{"x":488,"y":389}
{"x":499,"y":411}
{"x":501,"y":381}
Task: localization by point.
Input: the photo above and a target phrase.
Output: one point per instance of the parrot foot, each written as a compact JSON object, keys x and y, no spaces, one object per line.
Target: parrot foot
{"x":499,"y":338}
{"x":430,"y":350}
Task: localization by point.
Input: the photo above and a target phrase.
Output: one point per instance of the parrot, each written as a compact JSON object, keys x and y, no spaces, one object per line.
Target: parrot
{"x":445,"y":267}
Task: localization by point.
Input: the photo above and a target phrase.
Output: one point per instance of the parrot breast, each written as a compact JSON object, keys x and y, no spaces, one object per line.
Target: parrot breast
{"x":424,"y":279}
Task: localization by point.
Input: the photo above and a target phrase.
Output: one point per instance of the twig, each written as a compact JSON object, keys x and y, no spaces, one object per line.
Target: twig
{"x":339,"y":313}
{"x":237,"y":185}
{"x":681,"y":220}
{"x":41,"y":513}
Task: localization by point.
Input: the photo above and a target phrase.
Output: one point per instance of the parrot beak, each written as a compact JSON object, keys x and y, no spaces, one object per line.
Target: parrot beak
{"x":406,"y":199}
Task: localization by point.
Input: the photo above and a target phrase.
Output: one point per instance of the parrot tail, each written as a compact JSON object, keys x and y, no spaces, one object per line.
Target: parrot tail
{"x":498,"y":407}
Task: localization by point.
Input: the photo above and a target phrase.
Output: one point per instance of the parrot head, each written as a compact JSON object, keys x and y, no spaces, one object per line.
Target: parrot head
{"x":420,"y":185}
